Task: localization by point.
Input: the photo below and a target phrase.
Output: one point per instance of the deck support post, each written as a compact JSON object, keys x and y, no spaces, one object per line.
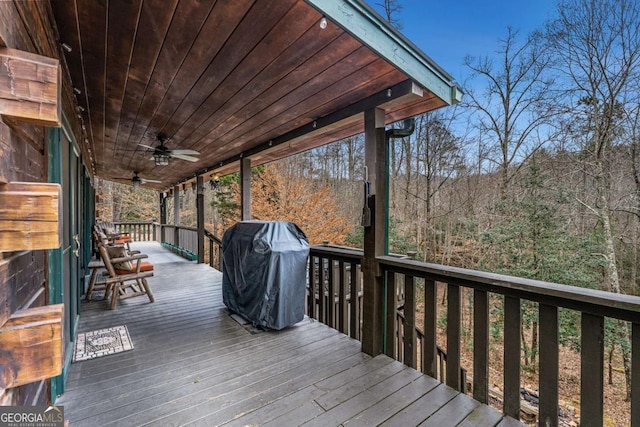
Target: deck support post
{"x":376,"y":160}
{"x":200,"y":217}
{"x":163,"y":216}
{"x":176,"y":215}
{"x":245,"y":188}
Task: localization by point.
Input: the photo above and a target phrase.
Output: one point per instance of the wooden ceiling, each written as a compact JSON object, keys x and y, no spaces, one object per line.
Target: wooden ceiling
{"x":228,"y":78}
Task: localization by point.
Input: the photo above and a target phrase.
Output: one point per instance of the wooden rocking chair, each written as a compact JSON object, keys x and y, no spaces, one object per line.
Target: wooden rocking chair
{"x":124,"y":279}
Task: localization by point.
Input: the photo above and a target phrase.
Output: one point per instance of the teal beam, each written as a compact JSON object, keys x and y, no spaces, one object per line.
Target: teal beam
{"x":363,"y":23}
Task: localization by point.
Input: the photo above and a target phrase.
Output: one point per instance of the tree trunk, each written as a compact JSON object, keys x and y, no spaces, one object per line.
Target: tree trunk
{"x":534,"y":344}
{"x":525,"y":347}
{"x":610,"y":361}
{"x":611,"y":267}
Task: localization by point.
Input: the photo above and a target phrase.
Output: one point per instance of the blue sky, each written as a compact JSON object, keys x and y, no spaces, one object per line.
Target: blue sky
{"x":449,"y":30}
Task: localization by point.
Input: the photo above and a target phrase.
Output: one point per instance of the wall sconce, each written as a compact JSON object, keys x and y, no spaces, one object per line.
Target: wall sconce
{"x":184,"y":188}
{"x":193,"y":187}
{"x":214,"y":182}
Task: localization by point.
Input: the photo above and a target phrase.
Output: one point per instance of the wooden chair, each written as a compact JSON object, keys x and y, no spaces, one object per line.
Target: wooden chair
{"x":122,"y":278}
{"x":114,"y":237}
{"x":96,"y":265}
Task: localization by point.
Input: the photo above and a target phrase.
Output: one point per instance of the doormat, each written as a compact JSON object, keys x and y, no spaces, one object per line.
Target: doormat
{"x":102,"y":342}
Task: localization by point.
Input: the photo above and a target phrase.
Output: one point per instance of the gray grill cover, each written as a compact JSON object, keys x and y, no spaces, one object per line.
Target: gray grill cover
{"x":264,"y":272}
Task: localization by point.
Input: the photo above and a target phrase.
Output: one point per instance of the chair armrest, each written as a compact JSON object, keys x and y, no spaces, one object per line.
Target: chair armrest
{"x":129,"y":258}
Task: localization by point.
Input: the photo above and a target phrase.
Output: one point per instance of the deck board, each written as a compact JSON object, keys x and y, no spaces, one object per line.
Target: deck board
{"x":192,"y":364}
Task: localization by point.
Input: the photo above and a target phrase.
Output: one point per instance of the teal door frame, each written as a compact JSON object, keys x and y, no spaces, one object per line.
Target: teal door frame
{"x":76,"y":199}
{"x":56,"y":279}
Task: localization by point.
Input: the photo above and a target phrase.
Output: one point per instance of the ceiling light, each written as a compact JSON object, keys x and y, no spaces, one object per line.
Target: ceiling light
{"x":323,"y":23}
{"x":161,"y":159}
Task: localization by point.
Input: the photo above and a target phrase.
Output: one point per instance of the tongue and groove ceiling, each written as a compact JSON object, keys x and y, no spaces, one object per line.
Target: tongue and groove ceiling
{"x":229,"y":78}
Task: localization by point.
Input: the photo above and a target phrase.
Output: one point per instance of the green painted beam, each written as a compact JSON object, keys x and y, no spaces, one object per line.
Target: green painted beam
{"x":359,"y":20}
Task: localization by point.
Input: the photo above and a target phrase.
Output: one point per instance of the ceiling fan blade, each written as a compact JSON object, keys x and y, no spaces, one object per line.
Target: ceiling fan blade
{"x":187,"y":152}
{"x":150,"y":180}
{"x":147,"y":146}
{"x":185,"y":157}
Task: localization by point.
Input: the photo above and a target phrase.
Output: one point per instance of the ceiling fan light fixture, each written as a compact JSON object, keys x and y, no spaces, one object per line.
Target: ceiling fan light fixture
{"x":161,"y":159}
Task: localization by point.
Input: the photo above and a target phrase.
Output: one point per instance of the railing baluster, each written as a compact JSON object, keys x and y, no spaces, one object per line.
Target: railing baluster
{"x":313,"y":288}
{"x":390,"y":315}
{"x":453,"y":336}
{"x":331,"y":301}
{"x":354,"y":318}
{"x":481,"y":346}
{"x":635,"y":375}
{"x":409,"y":321}
{"x":548,"y":381}
{"x":592,"y":370}
{"x":321,"y":291}
{"x":511,"y":404}
{"x":429,"y":347}
{"x":342,"y":298}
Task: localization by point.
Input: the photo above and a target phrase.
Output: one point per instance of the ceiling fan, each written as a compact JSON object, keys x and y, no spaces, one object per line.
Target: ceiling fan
{"x":136,"y":181}
{"x":162,"y":154}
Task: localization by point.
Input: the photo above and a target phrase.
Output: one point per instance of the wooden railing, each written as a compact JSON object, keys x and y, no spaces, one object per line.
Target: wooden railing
{"x":329,"y":300}
{"x":213,"y":250}
{"x":342,"y":277}
{"x":139,"y":231}
{"x":334,"y":277}
{"x":180,"y":236}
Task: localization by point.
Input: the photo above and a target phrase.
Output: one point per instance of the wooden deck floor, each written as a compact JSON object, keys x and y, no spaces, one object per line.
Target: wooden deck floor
{"x":193,"y":364}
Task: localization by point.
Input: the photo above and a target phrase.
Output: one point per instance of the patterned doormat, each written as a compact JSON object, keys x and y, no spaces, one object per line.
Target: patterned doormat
{"x":102,"y":342}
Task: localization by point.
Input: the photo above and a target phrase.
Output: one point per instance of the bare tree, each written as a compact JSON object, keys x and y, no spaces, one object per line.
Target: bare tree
{"x":391,"y":9}
{"x":514,"y":105}
{"x":598,"y":45}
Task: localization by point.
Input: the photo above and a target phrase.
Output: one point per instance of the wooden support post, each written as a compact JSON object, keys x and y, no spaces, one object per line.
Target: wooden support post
{"x":245,"y":189}
{"x":200,"y":217}
{"x":376,"y":158}
{"x":30,"y":216}
{"x":163,"y":216}
{"x":176,"y":215}
{"x":30,"y":87}
{"x":31,"y":346}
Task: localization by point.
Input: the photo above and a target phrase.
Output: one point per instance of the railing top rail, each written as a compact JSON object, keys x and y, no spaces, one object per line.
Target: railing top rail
{"x":626,"y":307}
{"x":135,"y":223}
{"x":212,"y":236}
{"x":338,"y":251}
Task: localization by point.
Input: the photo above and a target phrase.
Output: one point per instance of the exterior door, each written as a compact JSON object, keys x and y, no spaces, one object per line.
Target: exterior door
{"x":64,"y":266}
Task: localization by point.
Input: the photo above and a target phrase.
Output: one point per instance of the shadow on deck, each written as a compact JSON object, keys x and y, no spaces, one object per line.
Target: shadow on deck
{"x":193,"y":364}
